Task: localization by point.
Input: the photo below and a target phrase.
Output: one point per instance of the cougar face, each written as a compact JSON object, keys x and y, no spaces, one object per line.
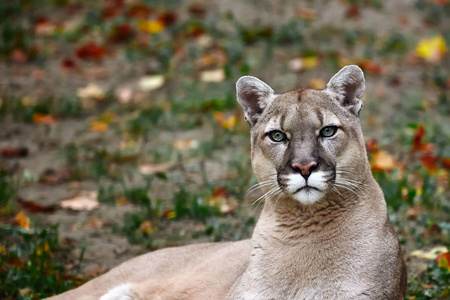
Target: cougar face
{"x":304,"y":141}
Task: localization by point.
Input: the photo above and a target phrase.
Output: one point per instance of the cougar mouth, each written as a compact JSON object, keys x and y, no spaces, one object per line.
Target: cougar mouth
{"x":306,"y":188}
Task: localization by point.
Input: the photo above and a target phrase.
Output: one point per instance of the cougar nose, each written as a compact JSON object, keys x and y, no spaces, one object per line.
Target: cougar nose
{"x":305,"y":170}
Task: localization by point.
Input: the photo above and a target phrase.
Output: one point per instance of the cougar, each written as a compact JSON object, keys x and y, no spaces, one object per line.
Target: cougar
{"x":324,"y":231}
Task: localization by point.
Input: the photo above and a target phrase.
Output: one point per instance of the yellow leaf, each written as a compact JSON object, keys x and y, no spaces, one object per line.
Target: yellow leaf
{"x":310,"y":62}
{"x":43,"y":119}
{"x":431,"y":254}
{"x":146,"y":227}
{"x":382,"y":161}
{"x":227,"y":123}
{"x":171,"y":215}
{"x":23,"y":220}
{"x":151,"y":26}
{"x":317,"y":84}
{"x":432,"y":49}
{"x":2,"y":249}
{"x":121,"y":201}
{"x":99,"y":126}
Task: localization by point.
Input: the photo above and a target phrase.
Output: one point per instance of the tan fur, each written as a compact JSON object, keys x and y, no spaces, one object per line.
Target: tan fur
{"x":330,"y":239}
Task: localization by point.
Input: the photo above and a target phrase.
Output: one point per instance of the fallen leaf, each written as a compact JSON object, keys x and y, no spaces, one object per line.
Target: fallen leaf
{"x":44,"y":27}
{"x":185,"y":144}
{"x":150,"y":83}
{"x":139,"y":11}
{"x":430,"y":161}
{"x":38,"y":75}
{"x":446,"y":162}
{"x":43,"y":119}
{"x":432,"y":49}
{"x":124,"y":94}
{"x":167,"y":18}
{"x":91,"y":91}
{"x":151,"y":26}
{"x":371,"y":67}
{"x":121,"y":33}
{"x":83,"y":201}
{"x":197,"y":9}
{"x":217,"y":75}
{"x":303,"y":63}
{"x":306,"y":13}
{"x":68,"y":64}
{"x":372,"y":146}
{"x":22,"y":220}
{"x":35,"y":207}
{"x":91,"y":51}
{"x":431,"y":254}
{"x":146,"y":227}
{"x":443,"y":260}
{"x":418,"y":144}
{"x":121,"y":201}
{"x":353,"y":11}
{"x":382,"y":161}
{"x":148,"y":169}
{"x":94,"y":223}
{"x":51,"y":177}
{"x":14,"y":152}
{"x":225,"y":122}
{"x":19,"y":56}
{"x":317,"y":84}
{"x":98,"y":126}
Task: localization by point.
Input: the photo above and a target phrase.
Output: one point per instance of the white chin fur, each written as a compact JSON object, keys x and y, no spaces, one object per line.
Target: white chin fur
{"x":121,"y":292}
{"x":307,"y":196}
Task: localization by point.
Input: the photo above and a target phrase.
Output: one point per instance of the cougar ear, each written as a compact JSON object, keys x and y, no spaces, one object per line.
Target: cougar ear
{"x":254,"y":96}
{"x":348,"y":85}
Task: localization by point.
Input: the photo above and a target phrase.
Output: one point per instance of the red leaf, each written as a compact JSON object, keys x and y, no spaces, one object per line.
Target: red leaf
{"x":197,"y":9}
{"x":14,"y":152}
{"x":371,"y":67}
{"x":35,"y":207}
{"x":352,"y":11}
{"x":372,"y":146}
{"x":446,"y":162}
{"x":139,"y":11}
{"x":429,"y":161}
{"x":418,"y":137}
{"x":167,"y":18}
{"x":91,"y":51}
{"x":68,"y":64}
{"x":220,"y":192}
{"x":121,"y":33}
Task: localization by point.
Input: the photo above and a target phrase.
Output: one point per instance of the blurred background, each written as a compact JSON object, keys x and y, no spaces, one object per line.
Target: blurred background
{"x":120,"y":132}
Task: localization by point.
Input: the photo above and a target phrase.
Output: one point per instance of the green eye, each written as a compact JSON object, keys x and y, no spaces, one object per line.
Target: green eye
{"x":277,"y":136}
{"x":328,"y":131}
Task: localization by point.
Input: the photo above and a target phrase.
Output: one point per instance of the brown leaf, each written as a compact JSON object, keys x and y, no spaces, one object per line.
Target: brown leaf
{"x":22,"y":220}
{"x":68,"y":64}
{"x":121,"y":33}
{"x":167,"y":18}
{"x":197,"y":9}
{"x":43,"y":119}
{"x":443,"y":260}
{"x":353,"y":11}
{"x":14,"y":152}
{"x":84,"y":201}
{"x":35,"y":207}
{"x":91,"y":51}
{"x":382,"y":161}
{"x":430,"y":161}
{"x":149,"y":169}
{"x":306,"y":13}
{"x":371,"y":67}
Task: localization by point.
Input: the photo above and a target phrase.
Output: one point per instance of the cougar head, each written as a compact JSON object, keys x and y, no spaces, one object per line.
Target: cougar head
{"x":306,"y":143}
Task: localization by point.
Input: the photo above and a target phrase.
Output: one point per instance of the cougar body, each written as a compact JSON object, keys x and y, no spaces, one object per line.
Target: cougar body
{"x":323,"y":233}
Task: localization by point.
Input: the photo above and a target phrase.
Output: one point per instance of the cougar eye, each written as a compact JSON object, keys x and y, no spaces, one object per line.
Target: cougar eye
{"x":277,"y":136}
{"x":328,"y":131}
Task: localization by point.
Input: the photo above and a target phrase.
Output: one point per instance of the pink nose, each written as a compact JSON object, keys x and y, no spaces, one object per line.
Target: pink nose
{"x":304,"y":169}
